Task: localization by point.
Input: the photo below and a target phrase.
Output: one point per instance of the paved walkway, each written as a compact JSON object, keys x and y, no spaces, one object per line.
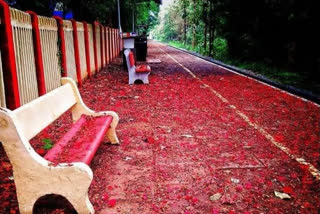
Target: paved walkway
{"x":201,"y":139}
{"x":200,"y":131}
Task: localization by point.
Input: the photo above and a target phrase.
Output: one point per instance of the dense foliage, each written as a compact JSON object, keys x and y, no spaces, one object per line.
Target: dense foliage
{"x":105,"y":11}
{"x":266,"y":33}
{"x":276,"y":38}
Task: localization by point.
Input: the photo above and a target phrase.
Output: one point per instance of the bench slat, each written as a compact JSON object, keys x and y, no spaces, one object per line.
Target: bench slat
{"x":39,"y":113}
{"x":81,"y":142}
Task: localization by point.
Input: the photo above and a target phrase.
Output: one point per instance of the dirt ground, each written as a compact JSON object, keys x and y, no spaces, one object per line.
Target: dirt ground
{"x":197,"y":139}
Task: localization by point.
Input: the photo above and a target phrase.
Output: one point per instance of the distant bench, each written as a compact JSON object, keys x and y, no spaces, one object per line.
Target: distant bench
{"x":64,"y":170}
{"x":136,"y":72}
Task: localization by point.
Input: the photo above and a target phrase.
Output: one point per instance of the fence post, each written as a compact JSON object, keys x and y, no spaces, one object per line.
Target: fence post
{"x":112,"y":40}
{"x":63,"y":54}
{"x":118,"y":43}
{"x":102,"y":45}
{"x":95,"y":45}
{"x":111,"y":45}
{"x":106,"y":44}
{"x":76,"y":51}
{"x":38,"y":53}
{"x":122,"y":42}
{"x":87,"y":47}
{"x":8,"y":57}
{"x":2,"y":91}
{"x":108,"y":39}
{"x":115,"y":42}
{"x":116,"y":36}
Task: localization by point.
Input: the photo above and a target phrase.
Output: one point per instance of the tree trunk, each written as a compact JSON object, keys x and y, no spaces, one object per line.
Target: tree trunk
{"x":185,"y":22}
{"x":205,"y":38}
{"x":193,"y":35}
{"x":205,"y":21}
{"x":210,"y":28}
{"x":212,"y":25}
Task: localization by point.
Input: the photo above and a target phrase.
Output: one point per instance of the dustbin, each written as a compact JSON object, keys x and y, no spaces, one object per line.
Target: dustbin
{"x":141,"y":45}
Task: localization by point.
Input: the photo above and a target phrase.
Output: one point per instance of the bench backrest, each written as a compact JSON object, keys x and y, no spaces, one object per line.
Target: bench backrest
{"x":130,"y":59}
{"x":33,"y":117}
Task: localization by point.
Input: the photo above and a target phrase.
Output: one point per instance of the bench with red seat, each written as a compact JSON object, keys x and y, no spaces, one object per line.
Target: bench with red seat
{"x":65,"y":168}
{"x":81,"y":142}
{"x":136,"y":72}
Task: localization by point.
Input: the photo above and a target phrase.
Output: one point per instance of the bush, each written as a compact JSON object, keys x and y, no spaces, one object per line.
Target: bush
{"x":220,"y":48}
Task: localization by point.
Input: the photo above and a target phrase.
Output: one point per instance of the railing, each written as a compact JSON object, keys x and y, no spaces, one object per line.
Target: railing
{"x":49,"y":42}
{"x":2,"y":94}
{"x":24,"y":55}
{"x":35,"y":51}
{"x":68,"y":36}
{"x":91,"y":49}
{"x":107,"y":44}
{"x":103,"y":61}
{"x":98,"y":45}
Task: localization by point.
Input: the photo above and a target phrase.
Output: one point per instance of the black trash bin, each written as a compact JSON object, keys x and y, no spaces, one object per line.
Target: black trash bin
{"x":141,"y":46}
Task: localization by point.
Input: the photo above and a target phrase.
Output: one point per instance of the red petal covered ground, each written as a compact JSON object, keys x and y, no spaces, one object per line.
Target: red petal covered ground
{"x":186,"y":149}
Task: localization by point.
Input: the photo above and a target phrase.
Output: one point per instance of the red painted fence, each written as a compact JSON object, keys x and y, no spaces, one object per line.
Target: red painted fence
{"x":36,"y":51}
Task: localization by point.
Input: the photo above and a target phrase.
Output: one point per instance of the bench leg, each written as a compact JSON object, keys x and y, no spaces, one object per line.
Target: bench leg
{"x":26,"y":206}
{"x":82,"y":205}
{"x":71,"y":182}
{"x":131,"y":80}
{"x":145,"y":78}
{"x":111,"y":133}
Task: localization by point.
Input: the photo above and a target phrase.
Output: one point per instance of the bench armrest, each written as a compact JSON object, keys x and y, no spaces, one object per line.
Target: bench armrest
{"x":80,"y":108}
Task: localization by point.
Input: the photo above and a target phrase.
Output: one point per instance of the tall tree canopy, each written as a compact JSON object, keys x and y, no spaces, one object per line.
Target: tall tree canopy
{"x":105,"y":11}
{"x":274,"y":32}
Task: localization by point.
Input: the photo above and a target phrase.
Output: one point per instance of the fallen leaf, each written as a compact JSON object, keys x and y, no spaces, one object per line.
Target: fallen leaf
{"x":215,"y":197}
{"x":281,"y":195}
{"x":187,"y":135}
{"x":127,"y":158}
{"x":235,"y":180}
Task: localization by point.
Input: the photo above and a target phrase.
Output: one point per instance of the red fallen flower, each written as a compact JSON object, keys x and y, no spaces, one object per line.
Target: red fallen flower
{"x":41,"y":152}
{"x":151,"y":140}
{"x":279,"y":137}
{"x":144,"y":197}
{"x":155,"y":208}
{"x":215,"y":211}
{"x":239,"y":188}
{"x":287,"y":189}
{"x":105,"y":197}
{"x":112,"y":202}
{"x":248,"y":185}
{"x":110,"y":188}
{"x":307,"y":204}
{"x":188,"y":197}
{"x":12,"y":211}
{"x":6,"y":166}
{"x":195,"y":200}
{"x":281,"y":178}
{"x":293,"y":175}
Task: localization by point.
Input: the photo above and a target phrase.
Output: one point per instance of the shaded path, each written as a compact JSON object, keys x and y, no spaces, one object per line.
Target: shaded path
{"x":181,"y":143}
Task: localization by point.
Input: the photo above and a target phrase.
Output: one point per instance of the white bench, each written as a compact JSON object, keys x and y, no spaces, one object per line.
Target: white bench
{"x":35,"y":176}
{"x":140,"y":72}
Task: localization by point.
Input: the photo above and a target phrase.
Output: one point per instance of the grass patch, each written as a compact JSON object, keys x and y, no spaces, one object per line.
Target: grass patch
{"x":277,"y":74}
